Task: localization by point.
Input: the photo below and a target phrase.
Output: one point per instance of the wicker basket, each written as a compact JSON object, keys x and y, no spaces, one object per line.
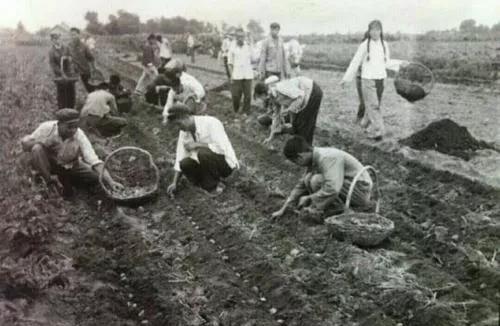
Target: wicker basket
{"x":135,"y":169}
{"x":414,"y":81}
{"x":363,"y":229}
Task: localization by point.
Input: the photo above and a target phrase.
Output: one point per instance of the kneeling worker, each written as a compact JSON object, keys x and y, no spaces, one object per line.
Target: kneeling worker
{"x":204,"y":153}
{"x":327,"y":184}
{"x":100,"y":112}
{"x":63,"y":155}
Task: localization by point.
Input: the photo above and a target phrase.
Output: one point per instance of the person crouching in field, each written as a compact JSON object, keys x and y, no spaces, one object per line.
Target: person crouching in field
{"x":204,"y":153}
{"x":63,"y":155}
{"x":100,"y":112}
{"x":327,"y":181}
{"x":186,"y":89}
{"x":299,"y":98}
{"x":149,"y":71}
{"x":240,"y":67}
{"x":121,"y":94}
{"x":373,"y":56}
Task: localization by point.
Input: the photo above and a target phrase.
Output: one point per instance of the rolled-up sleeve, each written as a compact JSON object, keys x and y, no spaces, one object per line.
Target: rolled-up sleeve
{"x":87,"y":150}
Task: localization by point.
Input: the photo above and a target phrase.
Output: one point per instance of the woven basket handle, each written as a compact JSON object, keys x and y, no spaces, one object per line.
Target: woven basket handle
{"x":133,"y":148}
{"x":353,"y":184}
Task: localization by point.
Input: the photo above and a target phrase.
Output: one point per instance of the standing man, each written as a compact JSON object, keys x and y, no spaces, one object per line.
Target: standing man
{"x":190,"y":46}
{"x":60,"y":62}
{"x":63,"y":155}
{"x":327,"y":182}
{"x":273,"y":60}
{"x":204,"y":153}
{"x":165,"y":50}
{"x":82,"y":58}
{"x":149,"y":71}
{"x":240,"y":67}
{"x":226,"y":46}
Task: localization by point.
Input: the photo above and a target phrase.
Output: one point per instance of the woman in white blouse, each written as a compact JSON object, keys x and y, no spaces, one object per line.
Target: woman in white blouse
{"x":374,"y":58}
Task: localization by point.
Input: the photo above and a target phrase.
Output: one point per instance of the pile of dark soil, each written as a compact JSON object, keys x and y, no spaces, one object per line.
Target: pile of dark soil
{"x":447,"y":137}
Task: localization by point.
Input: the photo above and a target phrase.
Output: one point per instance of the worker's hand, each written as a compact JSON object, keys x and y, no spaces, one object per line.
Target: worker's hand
{"x":268,"y":140}
{"x":405,"y":64}
{"x":304,"y":201}
{"x":165,"y":121}
{"x":172,"y":189}
{"x":191,"y":146}
{"x":157,"y":89}
{"x":116,"y":186}
{"x":278,"y":213}
{"x":342,"y":83}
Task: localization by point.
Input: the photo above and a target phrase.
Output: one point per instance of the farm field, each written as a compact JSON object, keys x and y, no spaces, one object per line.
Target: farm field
{"x":199,"y":260}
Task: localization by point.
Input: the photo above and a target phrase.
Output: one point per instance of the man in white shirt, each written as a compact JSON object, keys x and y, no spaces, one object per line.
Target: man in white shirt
{"x":63,"y":155}
{"x":204,"y":153}
{"x":184,"y":89}
{"x":191,"y":47}
{"x":100,"y":112}
{"x":240,"y":67}
{"x":165,"y":50}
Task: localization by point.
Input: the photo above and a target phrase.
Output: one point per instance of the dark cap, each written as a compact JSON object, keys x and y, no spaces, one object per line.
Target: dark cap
{"x":260,"y":89}
{"x":67,"y":115}
{"x":275,"y":26}
{"x":177,"y":111}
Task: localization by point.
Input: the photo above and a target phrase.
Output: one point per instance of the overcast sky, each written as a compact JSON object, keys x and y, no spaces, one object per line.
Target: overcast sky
{"x":295,"y":16}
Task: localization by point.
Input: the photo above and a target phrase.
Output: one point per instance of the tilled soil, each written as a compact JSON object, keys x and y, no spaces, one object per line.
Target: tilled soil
{"x":202,"y":260}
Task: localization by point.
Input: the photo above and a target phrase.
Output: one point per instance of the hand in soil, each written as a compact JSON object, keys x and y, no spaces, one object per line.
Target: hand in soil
{"x":304,"y":201}
{"x":278,"y":213}
{"x":171,"y":190}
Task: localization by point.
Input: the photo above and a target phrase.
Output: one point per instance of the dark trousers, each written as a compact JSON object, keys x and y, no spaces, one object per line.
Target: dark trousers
{"x":66,"y":94}
{"x":164,"y":61}
{"x":106,"y":126}
{"x":85,"y":80}
{"x":304,"y":123}
{"x":81,"y":174}
{"x":226,"y":66}
{"x":208,"y":171}
{"x":239,"y":88}
{"x":191,"y":53}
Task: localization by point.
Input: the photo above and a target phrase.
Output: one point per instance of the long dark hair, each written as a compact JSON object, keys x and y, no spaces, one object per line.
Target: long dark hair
{"x":372,"y":24}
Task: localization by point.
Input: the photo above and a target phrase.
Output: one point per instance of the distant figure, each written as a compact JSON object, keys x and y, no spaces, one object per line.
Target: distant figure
{"x":100,"y":112}
{"x":63,"y":155}
{"x":327,"y":182}
{"x":204,"y":153}
{"x":226,"y":45}
{"x":240,"y":67}
{"x":60,"y":62}
{"x":121,"y":94}
{"x":149,"y":71}
{"x":373,"y":57}
{"x":165,"y":50}
{"x":191,"y":47}
{"x":182,"y":89}
{"x":294,"y":51}
{"x":273,"y":60}
{"x":90,"y":42}
{"x":82,"y":58}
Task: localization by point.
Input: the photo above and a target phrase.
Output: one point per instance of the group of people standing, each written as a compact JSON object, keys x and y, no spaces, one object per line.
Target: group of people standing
{"x":204,"y":152}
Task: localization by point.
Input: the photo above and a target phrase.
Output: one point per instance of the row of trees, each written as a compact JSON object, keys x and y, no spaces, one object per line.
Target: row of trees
{"x":125,"y":22}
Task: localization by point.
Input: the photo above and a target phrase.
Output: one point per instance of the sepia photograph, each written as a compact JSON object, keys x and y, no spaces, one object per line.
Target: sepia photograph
{"x":250,"y":163}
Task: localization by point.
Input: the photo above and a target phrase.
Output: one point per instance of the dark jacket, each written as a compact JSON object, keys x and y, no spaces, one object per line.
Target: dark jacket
{"x":55,"y":55}
{"x":81,"y":56}
{"x":148,"y":55}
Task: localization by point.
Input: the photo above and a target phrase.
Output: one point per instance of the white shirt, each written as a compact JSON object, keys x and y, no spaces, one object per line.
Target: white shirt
{"x":240,"y":57}
{"x":190,"y":41}
{"x":209,"y":130}
{"x":47,"y":134}
{"x":98,"y":103}
{"x":165,"y":51}
{"x":375,"y":68}
{"x":226,"y":45}
{"x":191,"y":86}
